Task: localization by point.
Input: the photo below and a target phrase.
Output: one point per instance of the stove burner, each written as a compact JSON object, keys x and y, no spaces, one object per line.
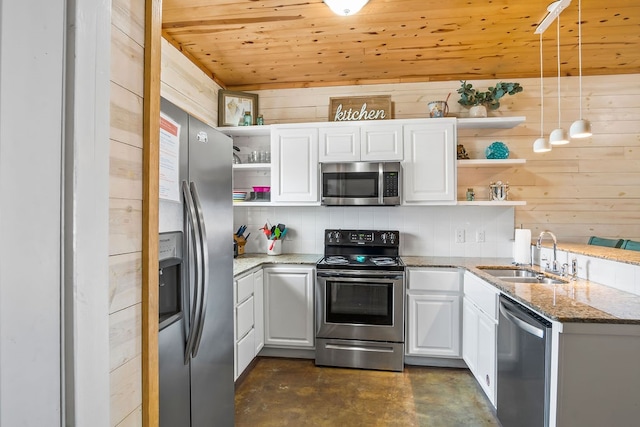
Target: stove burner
{"x":336,"y":260}
{"x":384,"y":261}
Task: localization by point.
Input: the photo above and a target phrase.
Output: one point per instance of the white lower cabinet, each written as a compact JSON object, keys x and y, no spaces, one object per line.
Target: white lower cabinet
{"x":479,"y":331}
{"x":258,"y":305}
{"x":288,"y":293}
{"x":248,"y":319}
{"x":433,"y":312}
{"x":244,"y":352}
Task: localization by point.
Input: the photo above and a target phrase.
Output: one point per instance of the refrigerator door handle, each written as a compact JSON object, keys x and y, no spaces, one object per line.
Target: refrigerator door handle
{"x":194,"y":227}
{"x":205,"y":268}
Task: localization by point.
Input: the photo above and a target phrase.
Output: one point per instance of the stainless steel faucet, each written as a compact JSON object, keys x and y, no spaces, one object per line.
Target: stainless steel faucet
{"x":555,"y":245}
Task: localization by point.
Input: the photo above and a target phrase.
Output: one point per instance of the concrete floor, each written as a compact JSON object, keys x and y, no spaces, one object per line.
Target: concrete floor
{"x":294,"y":392}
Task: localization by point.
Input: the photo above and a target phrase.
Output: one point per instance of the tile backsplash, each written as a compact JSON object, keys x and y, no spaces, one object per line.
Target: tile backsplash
{"x":424,"y":230}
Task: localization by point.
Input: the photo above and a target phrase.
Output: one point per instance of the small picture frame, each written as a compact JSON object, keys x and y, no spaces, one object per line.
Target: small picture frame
{"x":232,"y":106}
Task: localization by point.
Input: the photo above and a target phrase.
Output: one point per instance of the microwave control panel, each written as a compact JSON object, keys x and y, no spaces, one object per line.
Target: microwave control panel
{"x":390,"y":184}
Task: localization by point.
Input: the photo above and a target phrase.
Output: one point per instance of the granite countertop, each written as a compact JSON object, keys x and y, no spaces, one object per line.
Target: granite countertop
{"x":579,"y":301}
{"x":246,"y":262}
{"x":612,"y":254}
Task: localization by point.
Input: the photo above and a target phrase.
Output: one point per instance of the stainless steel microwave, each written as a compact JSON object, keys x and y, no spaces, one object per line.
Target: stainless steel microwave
{"x":360,"y":184}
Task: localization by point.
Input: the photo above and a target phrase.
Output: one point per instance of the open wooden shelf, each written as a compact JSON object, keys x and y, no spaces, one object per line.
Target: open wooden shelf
{"x":490,"y":163}
{"x":490,"y":122}
{"x":264,"y":130}
{"x":492,"y":203}
{"x":253,"y":166}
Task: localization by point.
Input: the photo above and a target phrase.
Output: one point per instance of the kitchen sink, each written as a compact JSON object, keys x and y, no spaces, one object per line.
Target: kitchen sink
{"x":511,"y":272}
{"x":517,"y":275}
{"x":544,"y":280}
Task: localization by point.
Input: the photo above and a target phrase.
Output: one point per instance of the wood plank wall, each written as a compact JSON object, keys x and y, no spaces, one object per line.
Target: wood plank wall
{"x":589,"y":187}
{"x":184,"y":84}
{"x":125,"y":213}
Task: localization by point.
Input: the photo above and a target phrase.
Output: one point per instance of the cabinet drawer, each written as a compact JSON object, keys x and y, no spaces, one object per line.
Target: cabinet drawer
{"x":481,"y":294}
{"x":245,"y":352}
{"x":244,"y":318}
{"x":244,"y":288}
{"x":441,"y":279}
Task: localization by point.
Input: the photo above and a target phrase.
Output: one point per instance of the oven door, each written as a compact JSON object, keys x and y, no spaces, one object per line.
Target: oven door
{"x":361,"y":305}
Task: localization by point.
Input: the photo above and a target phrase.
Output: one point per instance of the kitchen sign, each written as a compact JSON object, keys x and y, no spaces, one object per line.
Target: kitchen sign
{"x":359,"y":108}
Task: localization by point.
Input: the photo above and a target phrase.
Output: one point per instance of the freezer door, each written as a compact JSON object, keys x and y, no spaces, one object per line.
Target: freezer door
{"x":174,"y":376}
{"x":212,"y":386}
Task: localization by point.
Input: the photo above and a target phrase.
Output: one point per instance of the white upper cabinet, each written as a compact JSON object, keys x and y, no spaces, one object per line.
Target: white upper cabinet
{"x":429,"y":167}
{"x":367,"y":142}
{"x":294,"y":164}
{"x":381,"y":142}
{"x":339,"y":143}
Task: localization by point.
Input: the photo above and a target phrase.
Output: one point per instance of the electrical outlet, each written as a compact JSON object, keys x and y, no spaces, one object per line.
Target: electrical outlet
{"x":480,"y":236}
{"x":460,"y":235}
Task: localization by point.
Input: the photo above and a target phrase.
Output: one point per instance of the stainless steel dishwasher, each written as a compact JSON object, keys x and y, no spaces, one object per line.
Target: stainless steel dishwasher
{"x":524,"y":358}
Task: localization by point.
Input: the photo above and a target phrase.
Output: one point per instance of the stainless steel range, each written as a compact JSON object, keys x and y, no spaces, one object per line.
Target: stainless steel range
{"x":360,"y":301}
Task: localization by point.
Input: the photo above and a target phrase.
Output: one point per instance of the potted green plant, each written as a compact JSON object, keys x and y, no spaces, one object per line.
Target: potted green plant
{"x":479,"y":101}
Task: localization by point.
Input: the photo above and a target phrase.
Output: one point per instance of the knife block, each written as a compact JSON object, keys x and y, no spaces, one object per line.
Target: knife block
{"x":240,"y":241}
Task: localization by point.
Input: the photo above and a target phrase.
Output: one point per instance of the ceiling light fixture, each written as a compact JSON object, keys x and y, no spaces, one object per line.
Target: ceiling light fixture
{"x":558,"y":136}
{"x":580,"y":128}
{"x":541,"y":145}
{"x":345,"y":7}
{"x":553,"y":11}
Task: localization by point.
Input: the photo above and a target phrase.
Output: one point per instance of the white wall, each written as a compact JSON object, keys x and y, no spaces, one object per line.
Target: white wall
{"x":31,"y":81}
{"x":53,"y":213}
{"x":424,"y":231}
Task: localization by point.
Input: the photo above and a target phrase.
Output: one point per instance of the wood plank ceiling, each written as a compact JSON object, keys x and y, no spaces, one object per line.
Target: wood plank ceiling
{"x":274,"y":44}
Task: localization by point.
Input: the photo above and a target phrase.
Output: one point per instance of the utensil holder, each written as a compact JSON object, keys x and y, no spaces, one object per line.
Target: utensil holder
{"x":274,"y":247}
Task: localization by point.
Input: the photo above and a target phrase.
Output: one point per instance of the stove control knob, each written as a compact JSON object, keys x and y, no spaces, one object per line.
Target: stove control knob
{"x":383,"y":237}
{"x":392,"y":237}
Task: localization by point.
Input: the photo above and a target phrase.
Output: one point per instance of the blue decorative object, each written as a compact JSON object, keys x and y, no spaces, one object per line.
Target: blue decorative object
{"x":497,"y":150}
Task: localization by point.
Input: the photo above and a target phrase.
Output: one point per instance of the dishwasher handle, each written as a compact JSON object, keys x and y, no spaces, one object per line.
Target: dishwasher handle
{"x":525,"y":326}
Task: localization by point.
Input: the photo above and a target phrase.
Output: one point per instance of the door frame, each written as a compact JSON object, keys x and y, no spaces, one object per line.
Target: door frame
{"x":152,"y":71}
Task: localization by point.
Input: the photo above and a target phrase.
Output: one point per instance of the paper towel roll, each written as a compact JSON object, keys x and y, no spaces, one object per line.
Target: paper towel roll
{"x":522,"y":246}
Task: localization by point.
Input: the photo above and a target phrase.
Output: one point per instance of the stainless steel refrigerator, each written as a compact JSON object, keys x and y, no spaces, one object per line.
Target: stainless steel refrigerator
{"x":196,"y":344}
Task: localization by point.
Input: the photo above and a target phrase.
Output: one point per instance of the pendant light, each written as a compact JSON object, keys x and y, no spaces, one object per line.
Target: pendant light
{"x":345,"y":7}
{"x":558,"y":136}
{"x":541,"y":145}
{"x":580,"y":128}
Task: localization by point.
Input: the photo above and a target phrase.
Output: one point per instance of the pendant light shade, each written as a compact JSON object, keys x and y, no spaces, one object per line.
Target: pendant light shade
{"x":345,"y":7}
{"x":558,"y":136}
{"x":541,"y":144}
{"x":580,"y":128}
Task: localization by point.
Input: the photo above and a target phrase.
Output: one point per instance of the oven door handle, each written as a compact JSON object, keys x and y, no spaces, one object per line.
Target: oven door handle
{"x":360,"y":278}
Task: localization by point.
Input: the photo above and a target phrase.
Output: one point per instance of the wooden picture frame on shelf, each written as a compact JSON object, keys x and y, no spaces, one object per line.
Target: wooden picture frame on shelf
{"x":233,"y":105}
